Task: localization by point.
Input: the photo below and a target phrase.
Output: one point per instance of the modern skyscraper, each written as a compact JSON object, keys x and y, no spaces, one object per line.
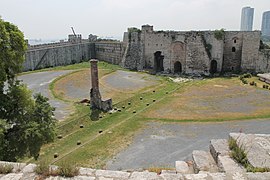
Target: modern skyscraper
{"x":266,"y":24}
{"x":247,"y":19}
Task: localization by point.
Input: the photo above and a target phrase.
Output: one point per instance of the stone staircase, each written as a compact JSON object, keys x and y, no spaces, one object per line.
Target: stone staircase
{"x":213,"y":165}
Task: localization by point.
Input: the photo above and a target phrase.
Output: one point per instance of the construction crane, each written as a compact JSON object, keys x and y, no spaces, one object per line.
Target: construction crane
{"x":73,"y":31}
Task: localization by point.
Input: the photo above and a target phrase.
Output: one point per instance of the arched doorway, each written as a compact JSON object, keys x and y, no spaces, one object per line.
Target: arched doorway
{"x":213,"y":68}
{"x":158,"y":63}
{"x":177,"y":67}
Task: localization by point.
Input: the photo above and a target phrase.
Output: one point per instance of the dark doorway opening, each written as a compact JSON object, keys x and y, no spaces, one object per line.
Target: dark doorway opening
{"x":213,"y":67}
{"x":177,"y":67}
{"x":158,"y":63}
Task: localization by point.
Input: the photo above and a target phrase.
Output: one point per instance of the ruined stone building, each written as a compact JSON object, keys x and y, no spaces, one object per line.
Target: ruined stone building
{"x":189,"y":52}
{"x":192,"y":52}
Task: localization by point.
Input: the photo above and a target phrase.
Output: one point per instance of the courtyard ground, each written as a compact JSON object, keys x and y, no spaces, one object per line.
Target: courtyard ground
{"x":154,"y":108}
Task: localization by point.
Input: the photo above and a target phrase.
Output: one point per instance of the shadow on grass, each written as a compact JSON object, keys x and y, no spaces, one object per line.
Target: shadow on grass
{"x":94,"y":115}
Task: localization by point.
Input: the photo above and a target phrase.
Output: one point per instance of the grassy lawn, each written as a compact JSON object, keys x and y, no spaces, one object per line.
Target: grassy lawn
{"x":217,"y":99}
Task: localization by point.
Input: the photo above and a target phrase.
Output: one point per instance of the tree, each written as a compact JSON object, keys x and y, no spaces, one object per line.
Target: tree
{"x":25,"y":123}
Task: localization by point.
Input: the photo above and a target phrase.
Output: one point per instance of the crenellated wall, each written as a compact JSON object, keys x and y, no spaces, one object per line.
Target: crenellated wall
{"x":188,"y":52}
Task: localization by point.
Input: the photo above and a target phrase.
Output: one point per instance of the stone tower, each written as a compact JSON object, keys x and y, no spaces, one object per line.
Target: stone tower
{"x":95,"y":97}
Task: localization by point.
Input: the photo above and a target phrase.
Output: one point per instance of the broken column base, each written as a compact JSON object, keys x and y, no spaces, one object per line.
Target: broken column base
{"x":97,"y":103}
{"x":102,"y":105}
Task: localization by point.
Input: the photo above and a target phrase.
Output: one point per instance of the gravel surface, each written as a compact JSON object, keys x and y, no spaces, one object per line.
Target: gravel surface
{"x":39,"y":83}
{"x":160,"y":145}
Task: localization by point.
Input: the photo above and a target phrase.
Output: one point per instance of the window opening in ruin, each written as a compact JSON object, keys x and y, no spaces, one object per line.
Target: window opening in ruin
{"x":233,"y":49}
{"x":213,"y":67}
{"x":232,"y":68}
{"x":235,"y":41}
{"x":158,"y":62}
{"x":177,"y":67}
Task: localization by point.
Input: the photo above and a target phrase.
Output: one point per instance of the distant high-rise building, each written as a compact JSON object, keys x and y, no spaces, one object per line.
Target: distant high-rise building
{"x":266,"y":24}
{"x":247,"y":19}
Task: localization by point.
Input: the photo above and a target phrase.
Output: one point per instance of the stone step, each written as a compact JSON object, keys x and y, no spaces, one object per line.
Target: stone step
{"x":219,"y":147}
{"x":183,"y":167}
{"x":203,"y":161}
{"x":228,"y":165}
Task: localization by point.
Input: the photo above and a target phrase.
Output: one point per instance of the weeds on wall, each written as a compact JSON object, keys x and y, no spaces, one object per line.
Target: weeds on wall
{"x":239,"y":155}
{"x":65,"y":170}
{"x":219,"y":34}
{"x":6,"y":168}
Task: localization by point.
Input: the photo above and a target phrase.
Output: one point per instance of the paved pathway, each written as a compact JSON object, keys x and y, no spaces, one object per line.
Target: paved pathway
{"x":39,"y":83}
{"x":160,"y":145}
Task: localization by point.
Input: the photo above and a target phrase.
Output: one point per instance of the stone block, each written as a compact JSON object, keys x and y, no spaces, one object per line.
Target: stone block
{"x":203,"y":161}
{"x":181,"y":167}
{"x":145,"y":176}
{"x":196,"y":176}
{"x":258,"y":176}
{"x":112,"y":174}
{"x":87,"y":171}
{"x":30,"y":168}
{"x":219,"y":147}
{"x":169,"y":176}
{"x":17,"y":167}
{"x":228,"y":165}
{"x":84,"y":178}
{"x":13,"y":176}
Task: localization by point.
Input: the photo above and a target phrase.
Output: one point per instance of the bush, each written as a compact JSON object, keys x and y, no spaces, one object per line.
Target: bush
{"x":68,"y":170}
{"x":219,"y":34}
{"x":6,"y":168}
{"x":43,"y":168}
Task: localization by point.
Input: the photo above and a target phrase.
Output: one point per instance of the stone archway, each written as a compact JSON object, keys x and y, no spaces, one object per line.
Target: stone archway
{"x":177,"y":67}
{"x":158,"y":62}
{"x":178,"y":57}
{"x":213,"y":67}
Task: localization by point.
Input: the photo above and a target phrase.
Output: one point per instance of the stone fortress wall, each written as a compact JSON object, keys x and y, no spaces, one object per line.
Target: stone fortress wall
{"x":189,"y":52}
{"x":194,"y":52}
{"x":75,"y":50}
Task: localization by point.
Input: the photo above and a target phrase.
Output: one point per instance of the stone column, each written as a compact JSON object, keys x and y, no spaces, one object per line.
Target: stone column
{"x":95,"y":97}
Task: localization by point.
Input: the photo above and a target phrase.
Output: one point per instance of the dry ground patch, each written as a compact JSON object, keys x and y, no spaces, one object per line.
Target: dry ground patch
{"x":217,"y":98}
{"x":118,"y":85}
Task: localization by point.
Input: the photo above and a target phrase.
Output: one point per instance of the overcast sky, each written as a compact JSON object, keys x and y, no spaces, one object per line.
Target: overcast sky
{"x":52,"y":19}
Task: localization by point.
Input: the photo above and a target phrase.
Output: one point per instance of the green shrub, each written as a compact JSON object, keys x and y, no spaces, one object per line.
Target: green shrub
{"x":219,"y":34}
{"x":43,"y":168}
{"x":68,"y":170}
{"x":6,"y":168}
